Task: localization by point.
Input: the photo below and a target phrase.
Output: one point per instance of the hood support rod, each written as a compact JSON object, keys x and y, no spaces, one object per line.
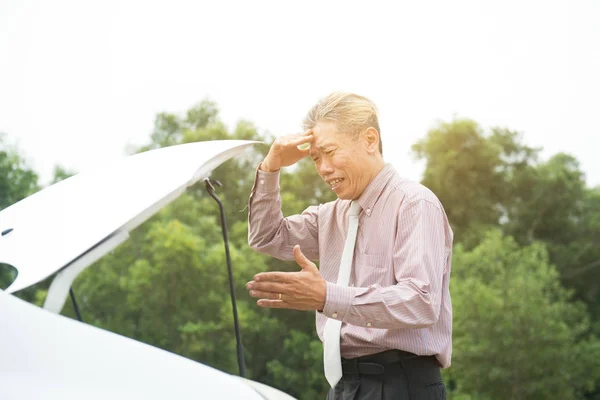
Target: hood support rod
{"x":210,"y":188}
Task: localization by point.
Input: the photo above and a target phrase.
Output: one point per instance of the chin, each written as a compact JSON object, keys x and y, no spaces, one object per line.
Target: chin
{"x":343,"y":196}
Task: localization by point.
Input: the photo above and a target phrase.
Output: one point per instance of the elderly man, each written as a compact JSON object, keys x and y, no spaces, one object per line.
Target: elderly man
{"x":381,"y":293}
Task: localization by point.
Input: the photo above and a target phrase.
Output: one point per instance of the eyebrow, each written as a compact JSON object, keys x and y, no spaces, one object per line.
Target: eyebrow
{"x":320,"y":148}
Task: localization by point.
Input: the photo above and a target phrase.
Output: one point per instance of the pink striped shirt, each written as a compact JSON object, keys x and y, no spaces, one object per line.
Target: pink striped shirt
{"x":398,"y":297}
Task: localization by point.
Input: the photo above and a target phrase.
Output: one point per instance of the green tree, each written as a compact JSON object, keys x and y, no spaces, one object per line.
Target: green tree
{"x":551,"y":203}
{"x":60,"y":173}
{"x":517,"y":332}
{"x":17,"y":179}
{"x":300,"y":372}
{"x":546,"y":197}
{"x":494,"y":181}
{"x":471,"y":171}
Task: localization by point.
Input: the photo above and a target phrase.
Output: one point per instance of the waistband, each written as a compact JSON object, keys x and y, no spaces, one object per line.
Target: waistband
{"x":374,"y":364}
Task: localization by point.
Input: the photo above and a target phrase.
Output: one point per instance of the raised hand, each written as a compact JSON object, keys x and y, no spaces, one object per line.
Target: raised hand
{"x":302,"y":290}
{"x":285,"y":152}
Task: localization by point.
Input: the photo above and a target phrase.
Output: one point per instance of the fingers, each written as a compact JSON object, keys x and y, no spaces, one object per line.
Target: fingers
{"x":264,"y":295}
{"x":304,"y":146}
{"x":292,"y":141}
{"x":270,"y":287}
{"x":305,"y":152}
{"x":283,"y":304}
{"x":299,"y":140}
{"x":272,"y":304}
{"x":281,"y":277}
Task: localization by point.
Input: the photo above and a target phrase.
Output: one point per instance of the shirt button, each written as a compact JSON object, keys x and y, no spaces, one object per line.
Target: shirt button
{"x":368,"y":324}
{"x":262,"y":181}
{"x":334,"y":315}
{"x":368,"y":211}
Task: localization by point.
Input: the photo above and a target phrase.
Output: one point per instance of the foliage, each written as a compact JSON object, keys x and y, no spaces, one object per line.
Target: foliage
{"x":17,"y":179}
{"x":514,"y":316}
{"x":60,"y":173}
{"x":470,"y":173}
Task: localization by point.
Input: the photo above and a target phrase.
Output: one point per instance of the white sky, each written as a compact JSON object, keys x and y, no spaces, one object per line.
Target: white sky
{"x":79,"y":80}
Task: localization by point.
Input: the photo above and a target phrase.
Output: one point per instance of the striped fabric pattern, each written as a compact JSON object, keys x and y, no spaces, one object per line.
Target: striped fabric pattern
{"x":399,"y":296}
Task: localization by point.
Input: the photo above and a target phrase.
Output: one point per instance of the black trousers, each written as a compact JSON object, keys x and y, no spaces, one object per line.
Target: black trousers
{"x":393,"y":374}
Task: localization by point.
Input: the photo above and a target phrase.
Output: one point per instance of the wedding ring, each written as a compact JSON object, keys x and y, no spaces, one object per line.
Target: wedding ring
{"x":279,"y":296}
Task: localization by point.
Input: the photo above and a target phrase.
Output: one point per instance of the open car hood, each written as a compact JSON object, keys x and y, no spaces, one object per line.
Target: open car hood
{"x":71,"y":219}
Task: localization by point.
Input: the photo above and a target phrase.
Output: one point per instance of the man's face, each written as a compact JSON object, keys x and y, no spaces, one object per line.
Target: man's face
{"x":341,"y":160}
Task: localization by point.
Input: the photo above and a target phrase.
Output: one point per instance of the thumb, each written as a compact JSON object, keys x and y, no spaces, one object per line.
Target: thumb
{"x":304,"y":152}
{"x":301,"y":259}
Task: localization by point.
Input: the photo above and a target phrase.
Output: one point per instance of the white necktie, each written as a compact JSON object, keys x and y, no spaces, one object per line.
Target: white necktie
{"x":331,"y":334}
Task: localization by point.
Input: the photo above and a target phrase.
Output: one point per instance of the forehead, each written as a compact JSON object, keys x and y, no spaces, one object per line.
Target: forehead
{"x":325,"y":134}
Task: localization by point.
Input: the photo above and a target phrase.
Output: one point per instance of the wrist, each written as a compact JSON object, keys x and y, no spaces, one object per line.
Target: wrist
{"x":338,"y":300}
{"x":322,"y":296}
{"x":265,"y":167}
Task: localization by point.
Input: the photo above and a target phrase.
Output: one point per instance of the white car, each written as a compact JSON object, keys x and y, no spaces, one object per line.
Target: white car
{"x":63,"y":229}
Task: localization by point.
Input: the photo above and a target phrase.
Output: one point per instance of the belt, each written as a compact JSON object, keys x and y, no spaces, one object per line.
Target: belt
{"x":375,"y":364}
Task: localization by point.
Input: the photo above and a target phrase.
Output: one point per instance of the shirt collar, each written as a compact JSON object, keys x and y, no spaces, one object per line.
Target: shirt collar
{"x":375,"y":188}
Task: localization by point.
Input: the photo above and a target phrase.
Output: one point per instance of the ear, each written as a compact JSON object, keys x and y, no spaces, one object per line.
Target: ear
{"x":372,"y":139}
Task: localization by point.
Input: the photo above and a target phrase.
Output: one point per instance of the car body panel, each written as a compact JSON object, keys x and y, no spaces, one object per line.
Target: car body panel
{"x":49,"y":356}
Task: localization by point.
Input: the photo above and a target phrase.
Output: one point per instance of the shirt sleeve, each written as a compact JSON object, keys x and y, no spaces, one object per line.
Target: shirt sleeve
{"x":269,"y":232}
{"x":419,"y":260}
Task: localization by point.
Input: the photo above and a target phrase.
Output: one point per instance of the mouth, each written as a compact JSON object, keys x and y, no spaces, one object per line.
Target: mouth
{"x":335,"y":183}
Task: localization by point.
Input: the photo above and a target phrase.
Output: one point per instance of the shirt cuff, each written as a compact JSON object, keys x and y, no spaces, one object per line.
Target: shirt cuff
{"x":266,"y":182}
{"x":338,"y":300}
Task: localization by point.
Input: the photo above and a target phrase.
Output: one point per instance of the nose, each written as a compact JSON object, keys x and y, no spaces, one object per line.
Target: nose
{"x":325,"y":168}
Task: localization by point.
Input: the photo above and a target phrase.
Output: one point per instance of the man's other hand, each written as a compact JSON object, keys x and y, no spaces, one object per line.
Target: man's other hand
{"x":302,"y":290}
{"x":285,"y":152}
